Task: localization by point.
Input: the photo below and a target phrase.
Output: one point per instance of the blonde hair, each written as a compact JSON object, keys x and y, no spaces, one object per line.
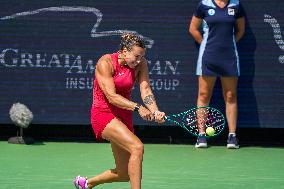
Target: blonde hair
{"x":128,"y":40}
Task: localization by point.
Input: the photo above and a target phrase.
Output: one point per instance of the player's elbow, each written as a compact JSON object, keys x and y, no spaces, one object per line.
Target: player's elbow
{"x":111,"y":97}
{"x":192,"y":30}
{"x":239,"y":35}
{"x":242,"y":32}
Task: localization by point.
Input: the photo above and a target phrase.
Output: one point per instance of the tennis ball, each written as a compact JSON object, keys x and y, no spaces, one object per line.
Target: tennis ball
{"x":210,"y":131}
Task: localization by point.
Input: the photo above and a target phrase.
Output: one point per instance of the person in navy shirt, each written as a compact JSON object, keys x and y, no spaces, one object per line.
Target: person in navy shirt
{"x":223,"y":24}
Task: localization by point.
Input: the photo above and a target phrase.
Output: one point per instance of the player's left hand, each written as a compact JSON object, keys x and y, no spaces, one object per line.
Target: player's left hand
{"x":159,"y":116}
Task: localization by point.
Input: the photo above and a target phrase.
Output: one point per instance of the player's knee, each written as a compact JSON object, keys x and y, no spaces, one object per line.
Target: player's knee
{"x":231,"y":97}
{"x":137,"y":149}
{"x":204,"y":97}
{"x":123,"y":177}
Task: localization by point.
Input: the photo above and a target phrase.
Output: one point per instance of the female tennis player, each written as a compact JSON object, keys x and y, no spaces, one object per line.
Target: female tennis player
{"x":111,"y":112}
{"x":223,"y":24}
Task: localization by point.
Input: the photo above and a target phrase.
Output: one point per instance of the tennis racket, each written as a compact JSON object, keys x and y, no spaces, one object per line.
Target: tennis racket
{"x":199,"y":119}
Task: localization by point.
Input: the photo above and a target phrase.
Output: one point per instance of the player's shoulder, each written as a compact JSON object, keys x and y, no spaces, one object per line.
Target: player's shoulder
{"x":144,"y":62}
{"x":105,"y":59}
{"x":105,"y":62}
{"x":234,"y":3}
{"x":143,"y":65}
{"x":208,"y":3}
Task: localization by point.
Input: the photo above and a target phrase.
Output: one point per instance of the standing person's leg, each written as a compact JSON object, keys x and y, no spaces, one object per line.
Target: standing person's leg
{"x":128,"y":153}
{"x":229,"y":85}
{"x":205,"y":89}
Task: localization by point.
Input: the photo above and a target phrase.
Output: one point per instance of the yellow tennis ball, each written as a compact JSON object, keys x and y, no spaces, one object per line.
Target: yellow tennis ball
{"x":210,"y":131}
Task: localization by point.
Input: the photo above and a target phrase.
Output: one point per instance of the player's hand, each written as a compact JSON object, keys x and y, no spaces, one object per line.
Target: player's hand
{"x":145,"y":114}
{"x":159,"y":116}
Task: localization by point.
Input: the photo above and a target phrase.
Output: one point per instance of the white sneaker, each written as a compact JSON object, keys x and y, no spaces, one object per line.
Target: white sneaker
{"x":201,"y":142}
{"x":232,"y":142}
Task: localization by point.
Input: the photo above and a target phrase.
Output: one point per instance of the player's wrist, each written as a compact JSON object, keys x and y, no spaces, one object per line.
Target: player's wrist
{"x":155,"y":113}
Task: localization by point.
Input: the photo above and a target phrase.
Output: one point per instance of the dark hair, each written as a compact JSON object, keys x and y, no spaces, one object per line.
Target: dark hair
{"x":128,"y":40}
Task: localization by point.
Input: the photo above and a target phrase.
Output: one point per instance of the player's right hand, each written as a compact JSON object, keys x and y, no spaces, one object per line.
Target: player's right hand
{"x":159,"y":116}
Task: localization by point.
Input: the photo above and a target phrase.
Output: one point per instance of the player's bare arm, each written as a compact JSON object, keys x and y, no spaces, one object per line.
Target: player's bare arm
{"x":146,"y":91}
{"x":104,"y":75}
{"x":194,"y":29}
{"x":240,"y":26}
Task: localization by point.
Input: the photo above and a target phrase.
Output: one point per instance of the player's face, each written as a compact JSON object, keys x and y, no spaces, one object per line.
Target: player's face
{"x":134,"y":56}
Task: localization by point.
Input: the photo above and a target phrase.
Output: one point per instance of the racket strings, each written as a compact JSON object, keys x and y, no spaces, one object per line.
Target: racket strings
{"x":201,"y":118}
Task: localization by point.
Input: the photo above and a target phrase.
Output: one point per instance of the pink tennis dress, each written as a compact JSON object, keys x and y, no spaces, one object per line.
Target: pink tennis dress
{"x":102,"y":112}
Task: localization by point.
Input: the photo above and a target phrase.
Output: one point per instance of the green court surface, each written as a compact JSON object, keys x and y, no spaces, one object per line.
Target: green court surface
{"x":50,"y":165}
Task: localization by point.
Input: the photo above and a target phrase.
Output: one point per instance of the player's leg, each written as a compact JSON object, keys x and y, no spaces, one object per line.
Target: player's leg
{"x":125,"y":139}
{"x":128,"y":153}
{"x":205,"y":89}
{"x":118,"y":174}
{"x":229,"y":85}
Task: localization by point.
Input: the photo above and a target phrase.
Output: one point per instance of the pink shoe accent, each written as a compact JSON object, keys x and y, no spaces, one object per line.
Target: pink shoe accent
{"x":80,"y":182}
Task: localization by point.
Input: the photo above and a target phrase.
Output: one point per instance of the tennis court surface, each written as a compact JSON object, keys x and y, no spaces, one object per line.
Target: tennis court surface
{"x":50,"y":165}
